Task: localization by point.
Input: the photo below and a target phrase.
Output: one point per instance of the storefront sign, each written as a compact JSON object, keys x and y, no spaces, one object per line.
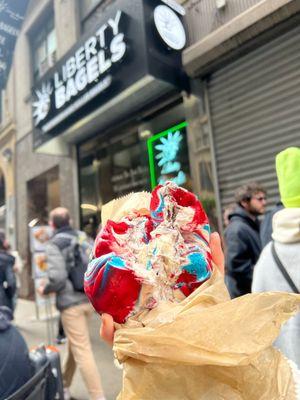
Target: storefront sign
{"x":84,"y":69}
{"x":123,"y":49}
{"x":11,"y":17}
{"x":168,"y":156}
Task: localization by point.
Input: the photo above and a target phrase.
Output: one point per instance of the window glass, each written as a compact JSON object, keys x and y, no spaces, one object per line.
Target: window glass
{"x":51,"y":42}
{"x":109,"y":170}
{"x":43,"y":195}
{"x":44,"y":48}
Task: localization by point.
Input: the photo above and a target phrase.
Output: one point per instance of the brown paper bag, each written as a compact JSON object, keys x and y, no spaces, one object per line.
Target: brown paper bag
{"x":116,"y":209}
{"x":208,"y":347}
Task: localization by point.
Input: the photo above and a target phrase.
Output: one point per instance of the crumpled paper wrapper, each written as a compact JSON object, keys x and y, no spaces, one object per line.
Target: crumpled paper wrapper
{"x":116,"y":209}
{"x":207,"y":346}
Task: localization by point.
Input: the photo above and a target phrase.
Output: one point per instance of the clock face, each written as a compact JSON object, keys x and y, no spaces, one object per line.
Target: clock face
{"x":169,"y":27}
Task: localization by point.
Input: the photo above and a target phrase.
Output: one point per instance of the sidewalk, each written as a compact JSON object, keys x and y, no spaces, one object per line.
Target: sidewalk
{"x":35,"y":333}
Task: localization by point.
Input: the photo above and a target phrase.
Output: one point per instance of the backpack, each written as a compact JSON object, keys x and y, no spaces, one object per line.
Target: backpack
{"x":76,"y":254}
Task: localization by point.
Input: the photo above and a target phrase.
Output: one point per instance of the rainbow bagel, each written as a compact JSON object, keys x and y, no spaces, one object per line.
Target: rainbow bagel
{"x":161,"y":254}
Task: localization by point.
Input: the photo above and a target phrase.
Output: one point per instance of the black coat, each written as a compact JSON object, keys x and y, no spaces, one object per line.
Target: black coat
{"x":15,"y":366}
{"x":7,"y":280}
{"x":243,"y":247}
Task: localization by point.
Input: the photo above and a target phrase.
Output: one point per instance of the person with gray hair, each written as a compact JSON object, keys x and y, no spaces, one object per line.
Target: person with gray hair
{"x":242,"y":238}
{"x":72,"y":303}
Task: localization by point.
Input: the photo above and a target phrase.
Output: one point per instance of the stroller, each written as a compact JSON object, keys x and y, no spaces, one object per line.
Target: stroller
{"x":46,"y":382}
{"x":36,"y":387}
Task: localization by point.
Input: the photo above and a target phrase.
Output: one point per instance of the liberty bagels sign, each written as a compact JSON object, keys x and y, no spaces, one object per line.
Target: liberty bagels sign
{"x":89,"y":62}
{"x":85,"y":72}
{"x":128,"y":60}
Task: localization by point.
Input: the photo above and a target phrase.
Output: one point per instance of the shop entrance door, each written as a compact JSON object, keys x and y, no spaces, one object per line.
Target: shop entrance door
{"x":43,"y":195}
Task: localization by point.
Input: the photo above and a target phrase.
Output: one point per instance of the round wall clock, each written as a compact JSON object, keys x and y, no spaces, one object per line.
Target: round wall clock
{"x":169,"y":27}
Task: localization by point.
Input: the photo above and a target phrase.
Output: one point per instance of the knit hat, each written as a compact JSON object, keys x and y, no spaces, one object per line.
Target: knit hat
{"x":288,"y":174}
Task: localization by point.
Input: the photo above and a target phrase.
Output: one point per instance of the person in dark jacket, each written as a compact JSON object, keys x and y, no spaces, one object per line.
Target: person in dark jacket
{"x":15,"y":366}
{"x":8,"y":283}
{"x":243,"y":245}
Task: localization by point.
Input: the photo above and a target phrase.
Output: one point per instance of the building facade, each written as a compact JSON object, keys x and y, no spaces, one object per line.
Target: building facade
{"x":97,"y":106}
{"x":34,"y":183}
{"x":246,"y":55}
{"x":107,"y":101}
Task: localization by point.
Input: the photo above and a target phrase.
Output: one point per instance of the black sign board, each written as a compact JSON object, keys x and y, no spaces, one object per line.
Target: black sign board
{"x":133,"y":39}
{"x":12,"y":13}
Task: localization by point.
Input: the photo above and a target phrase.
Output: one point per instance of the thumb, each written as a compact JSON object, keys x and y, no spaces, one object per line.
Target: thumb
{"x":107,"y":329}
{"x":216,"y":251}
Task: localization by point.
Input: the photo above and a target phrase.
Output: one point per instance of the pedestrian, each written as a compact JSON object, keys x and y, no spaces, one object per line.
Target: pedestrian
{"x":8,"y":284}
{"x":61,"y":336}
{"x":227,"y":211}
{"x":266,"y":225}
{"x":285,"y":246}
{"x":15,"y":366}
{"x":242,"y":240}
{"x":73,"y":304}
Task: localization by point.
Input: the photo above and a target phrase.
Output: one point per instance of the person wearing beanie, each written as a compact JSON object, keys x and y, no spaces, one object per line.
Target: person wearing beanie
{"x":286,"y":246}
{"x":288,"y":173}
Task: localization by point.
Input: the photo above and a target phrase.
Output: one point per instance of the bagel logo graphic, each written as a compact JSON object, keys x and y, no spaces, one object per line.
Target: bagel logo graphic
{"x":42,"y":104}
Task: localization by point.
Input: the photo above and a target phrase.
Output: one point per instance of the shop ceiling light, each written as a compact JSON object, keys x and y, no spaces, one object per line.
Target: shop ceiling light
{"x":33,"y":222}
{"x":145,"y":134}
{"x":91,"y":207}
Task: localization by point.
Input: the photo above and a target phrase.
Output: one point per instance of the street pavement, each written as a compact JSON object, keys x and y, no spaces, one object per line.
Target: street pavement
{"x":35,"y":332}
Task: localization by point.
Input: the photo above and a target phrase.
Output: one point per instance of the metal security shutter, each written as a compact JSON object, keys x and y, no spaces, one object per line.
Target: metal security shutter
{"x":255,"y":113}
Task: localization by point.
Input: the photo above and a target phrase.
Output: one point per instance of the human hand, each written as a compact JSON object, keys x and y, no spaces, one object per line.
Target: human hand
{"x":107,"y":329}
{"x":41,"y":288}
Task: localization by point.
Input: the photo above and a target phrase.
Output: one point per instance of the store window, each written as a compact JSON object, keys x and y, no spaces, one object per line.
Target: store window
{"x":110,"y":169}
{"x":44,"y":46}
{"x":128,"y":160}
{"x":43,"y":194}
